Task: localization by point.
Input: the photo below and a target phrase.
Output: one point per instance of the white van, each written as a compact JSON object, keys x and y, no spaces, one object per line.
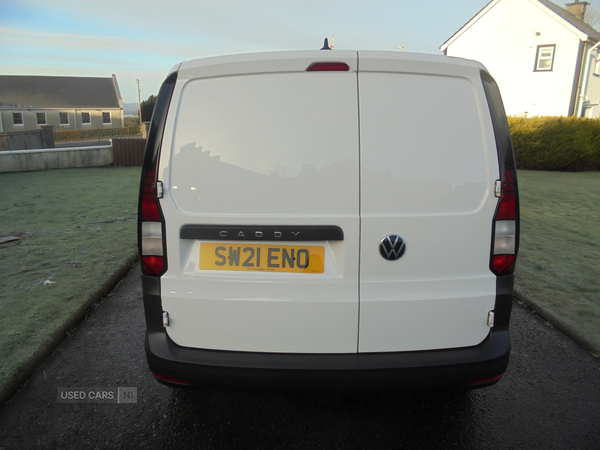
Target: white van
{"x":333,"y":219}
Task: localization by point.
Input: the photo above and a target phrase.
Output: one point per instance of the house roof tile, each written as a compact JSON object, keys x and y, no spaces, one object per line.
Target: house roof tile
{"x":58,"y":92}
{"x":573,"y":20}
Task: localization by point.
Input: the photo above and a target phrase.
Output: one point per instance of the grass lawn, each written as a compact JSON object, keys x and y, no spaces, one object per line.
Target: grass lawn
{"x":558,"y":267}
{"x":78,"y":228}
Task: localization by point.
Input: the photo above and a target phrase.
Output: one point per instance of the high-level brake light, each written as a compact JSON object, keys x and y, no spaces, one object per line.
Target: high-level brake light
{"x":328,"y":67}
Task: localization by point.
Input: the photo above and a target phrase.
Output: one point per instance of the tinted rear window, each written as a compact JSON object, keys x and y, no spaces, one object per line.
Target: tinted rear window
{"x":273,"y":144}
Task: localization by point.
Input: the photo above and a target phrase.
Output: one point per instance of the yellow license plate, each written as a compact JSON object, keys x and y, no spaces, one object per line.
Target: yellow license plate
{"x":262,"y":257}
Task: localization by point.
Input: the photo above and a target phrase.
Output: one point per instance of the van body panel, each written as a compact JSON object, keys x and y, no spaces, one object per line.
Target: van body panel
{"x":247,"y":152}
{"x":262,"y":63}
{"x":427,"y":176}
{"x":293,"y":161}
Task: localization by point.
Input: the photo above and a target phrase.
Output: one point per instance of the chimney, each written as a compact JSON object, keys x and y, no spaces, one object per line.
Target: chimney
{"x":577,"y":8}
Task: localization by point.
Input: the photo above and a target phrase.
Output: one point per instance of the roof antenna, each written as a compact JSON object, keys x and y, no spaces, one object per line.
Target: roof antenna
{"x":326,"y":45}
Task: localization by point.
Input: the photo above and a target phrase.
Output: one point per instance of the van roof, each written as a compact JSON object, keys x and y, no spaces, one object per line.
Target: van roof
{"x":298,"y":61}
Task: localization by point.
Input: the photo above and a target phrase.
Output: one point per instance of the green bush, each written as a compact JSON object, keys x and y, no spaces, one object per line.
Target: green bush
{"x":131,"y":121}
{"x":80,"y":135}
{"x":566,"y":144}
{"x":148,"y":108}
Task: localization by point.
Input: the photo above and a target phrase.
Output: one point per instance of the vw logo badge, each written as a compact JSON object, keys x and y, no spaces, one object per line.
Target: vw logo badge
{"x":392,"y":247}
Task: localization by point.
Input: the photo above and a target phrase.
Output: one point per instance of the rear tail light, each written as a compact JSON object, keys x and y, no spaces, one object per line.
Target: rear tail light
{"x":508,"y":204}
{"x":152,"y":243}
{"x":504,"y":251}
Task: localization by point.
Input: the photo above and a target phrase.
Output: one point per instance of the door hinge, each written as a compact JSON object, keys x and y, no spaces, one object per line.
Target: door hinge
{"x":490,"y":319}
{"x":498,"y":188}
{"x":165,"y":319}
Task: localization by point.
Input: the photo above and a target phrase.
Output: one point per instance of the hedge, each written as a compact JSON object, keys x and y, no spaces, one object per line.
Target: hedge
{"x":80,"y":135}
{"x":566,"y":144}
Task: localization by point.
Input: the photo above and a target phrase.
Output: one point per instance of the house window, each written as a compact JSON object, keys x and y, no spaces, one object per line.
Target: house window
{"x":544,"y":60}
{"x":85,"y":118}
{"x":106,"y":118}
{"x":64,"y":118}
{"x":18,"y":119}
{"x":41,"y":118}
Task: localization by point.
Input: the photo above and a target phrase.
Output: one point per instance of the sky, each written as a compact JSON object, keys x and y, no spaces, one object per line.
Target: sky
{"x":145,"y":39}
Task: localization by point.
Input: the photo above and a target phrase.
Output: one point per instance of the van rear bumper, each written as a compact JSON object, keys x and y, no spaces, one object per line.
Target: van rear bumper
{"x":470,"y":367}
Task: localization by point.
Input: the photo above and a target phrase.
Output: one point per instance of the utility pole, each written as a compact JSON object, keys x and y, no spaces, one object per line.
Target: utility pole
{"x":139,"y":102}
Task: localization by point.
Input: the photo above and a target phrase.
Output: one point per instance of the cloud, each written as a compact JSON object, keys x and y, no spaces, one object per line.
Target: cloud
{"x":77,"y":43}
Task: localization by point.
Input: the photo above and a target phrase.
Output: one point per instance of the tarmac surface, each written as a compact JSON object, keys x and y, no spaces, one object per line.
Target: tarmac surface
{"x":549,"y":398}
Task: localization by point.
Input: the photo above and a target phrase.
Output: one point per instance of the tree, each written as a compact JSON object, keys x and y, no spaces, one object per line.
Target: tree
{"x":592,"y":14}
{"x":147,"y":107}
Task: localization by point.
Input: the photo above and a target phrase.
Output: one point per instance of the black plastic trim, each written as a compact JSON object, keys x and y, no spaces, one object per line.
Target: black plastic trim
{"x":152,"y":303}
{"x":355,"y":371}
{"x":157,"y":123}
{"x":262,"y":233}
{"x":504,"y":301}
{"x":506,"y":154}
{"x":152,"y":153}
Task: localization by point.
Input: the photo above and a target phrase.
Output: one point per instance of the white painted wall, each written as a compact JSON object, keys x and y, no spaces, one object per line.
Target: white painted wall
{"x":505,"y":40}
{"x":55,"y":158}
{"x":590,"y":90}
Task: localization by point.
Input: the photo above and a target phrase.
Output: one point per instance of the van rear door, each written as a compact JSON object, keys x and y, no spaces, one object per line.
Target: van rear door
{"x":428,"y":165}
{"x":257,"y":151}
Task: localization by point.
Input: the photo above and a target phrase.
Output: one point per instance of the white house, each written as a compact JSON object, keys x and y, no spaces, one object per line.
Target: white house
{"x":544,"y":58}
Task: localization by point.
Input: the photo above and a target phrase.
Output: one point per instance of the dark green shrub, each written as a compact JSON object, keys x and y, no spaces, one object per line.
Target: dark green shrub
{"x":567,"y":144}
{"x":148,"y":108}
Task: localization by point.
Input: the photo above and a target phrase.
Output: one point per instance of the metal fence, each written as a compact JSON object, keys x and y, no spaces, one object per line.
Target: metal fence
{"x":128,"y":151}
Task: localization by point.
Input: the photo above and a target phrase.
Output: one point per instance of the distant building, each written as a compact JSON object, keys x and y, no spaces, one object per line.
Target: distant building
{"x":544,"y":58}
{"x":69,"y":103}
